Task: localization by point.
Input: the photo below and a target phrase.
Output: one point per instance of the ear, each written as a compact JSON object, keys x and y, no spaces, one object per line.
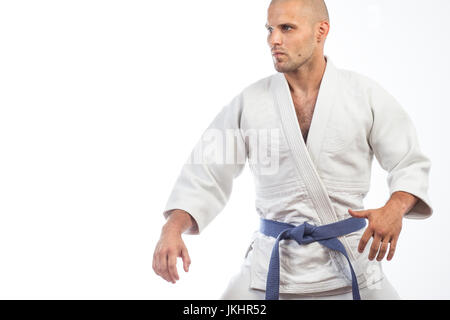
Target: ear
{"x":323,"y":29}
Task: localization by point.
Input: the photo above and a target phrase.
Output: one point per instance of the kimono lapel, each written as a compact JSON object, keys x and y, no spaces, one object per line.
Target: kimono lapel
{"x":306,"y":155}
{"x":324,"y":104}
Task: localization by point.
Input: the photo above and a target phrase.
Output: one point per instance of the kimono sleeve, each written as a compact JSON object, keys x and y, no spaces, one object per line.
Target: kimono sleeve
{"x":205,"y":182}
{"x":394,"y":142}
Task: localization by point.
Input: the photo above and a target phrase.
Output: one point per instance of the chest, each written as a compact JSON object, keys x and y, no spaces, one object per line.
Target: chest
{"x":304,"y":109}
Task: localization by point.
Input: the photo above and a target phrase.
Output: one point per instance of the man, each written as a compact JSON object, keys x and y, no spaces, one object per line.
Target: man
{"x":312,"y":242}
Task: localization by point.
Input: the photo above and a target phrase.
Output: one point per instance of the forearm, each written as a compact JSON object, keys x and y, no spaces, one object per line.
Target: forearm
{"x":401,"y":202}
{"x":179,"y":221}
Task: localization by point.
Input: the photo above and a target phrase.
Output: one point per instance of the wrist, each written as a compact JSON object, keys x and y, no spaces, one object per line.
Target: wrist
{"x":396,"y":208}
{"x":402,"y":202}
{"x":172,"y":228}
{"x":178,"y":222}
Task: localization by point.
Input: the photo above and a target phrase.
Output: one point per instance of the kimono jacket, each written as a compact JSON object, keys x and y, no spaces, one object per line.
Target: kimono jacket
{"x":317,"y":182}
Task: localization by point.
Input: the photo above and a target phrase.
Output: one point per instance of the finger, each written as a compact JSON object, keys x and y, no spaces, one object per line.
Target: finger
{"x":172,"y":267}
{"x":358,"y":214}
{"x":364,"y":239}
{"x":392,"y":248}
{"x":383,"y":249}
{"x":163,"y":267}
{"x":154,"y":263}
{"x":186,"y":259}
{"x":374,"y":247}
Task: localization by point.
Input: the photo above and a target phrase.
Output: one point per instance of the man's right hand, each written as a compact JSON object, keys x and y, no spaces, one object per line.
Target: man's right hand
{"x":171,"y":246}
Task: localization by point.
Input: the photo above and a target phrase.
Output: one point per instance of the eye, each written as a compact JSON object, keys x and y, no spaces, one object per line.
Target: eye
{"x":285,"y":27}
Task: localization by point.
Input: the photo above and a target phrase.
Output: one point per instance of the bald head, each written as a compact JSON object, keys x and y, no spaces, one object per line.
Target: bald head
{"x":316,"y":10}
{"x":297,"y":30}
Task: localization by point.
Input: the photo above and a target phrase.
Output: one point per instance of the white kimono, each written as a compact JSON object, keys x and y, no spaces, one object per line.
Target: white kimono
{"x":354,"y":119}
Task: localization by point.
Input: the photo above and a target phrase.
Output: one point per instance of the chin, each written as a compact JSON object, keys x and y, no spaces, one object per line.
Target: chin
{"x":282,"y":69}
{"x":279,"y":67}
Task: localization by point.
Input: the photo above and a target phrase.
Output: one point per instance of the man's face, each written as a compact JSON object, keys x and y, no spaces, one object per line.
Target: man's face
{"x":291,"y":32}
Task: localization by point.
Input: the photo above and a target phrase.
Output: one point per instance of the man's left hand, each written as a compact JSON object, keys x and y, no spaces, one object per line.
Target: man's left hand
{"x":384,"y":226}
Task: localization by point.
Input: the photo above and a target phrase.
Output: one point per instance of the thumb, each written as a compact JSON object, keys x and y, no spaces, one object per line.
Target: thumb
{"x":358,"y":214}
{"x":186,"y":259}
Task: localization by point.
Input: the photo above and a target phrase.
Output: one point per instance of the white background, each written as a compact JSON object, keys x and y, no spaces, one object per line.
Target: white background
{"x":102,"y":101}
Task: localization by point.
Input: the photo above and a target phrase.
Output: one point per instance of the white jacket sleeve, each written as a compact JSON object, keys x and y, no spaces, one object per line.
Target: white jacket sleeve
{"x":394,"y":142}
{"x":204,"y":185}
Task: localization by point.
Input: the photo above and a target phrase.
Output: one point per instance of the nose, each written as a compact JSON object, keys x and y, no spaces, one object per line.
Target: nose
{"x":274,"y":39}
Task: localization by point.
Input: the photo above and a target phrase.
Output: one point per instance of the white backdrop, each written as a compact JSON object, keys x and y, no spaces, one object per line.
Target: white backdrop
{"x":102,"y":101}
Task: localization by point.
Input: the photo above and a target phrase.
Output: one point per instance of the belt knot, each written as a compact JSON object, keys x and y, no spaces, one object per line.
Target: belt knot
{"x":303,"y":233}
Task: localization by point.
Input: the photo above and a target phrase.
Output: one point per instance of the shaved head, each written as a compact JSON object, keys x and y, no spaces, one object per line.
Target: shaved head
{"x":297,"y":30}
{"x":316,"y":10}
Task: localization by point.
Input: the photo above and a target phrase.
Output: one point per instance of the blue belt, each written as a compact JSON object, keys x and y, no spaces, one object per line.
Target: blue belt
{"x":304,"y":234}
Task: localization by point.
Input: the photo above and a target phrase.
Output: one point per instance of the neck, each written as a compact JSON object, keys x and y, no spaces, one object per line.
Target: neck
{"x":307,"y":78}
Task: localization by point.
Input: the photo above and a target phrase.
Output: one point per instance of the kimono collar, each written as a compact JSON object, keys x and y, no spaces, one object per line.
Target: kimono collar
{"x":324,"y":104}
